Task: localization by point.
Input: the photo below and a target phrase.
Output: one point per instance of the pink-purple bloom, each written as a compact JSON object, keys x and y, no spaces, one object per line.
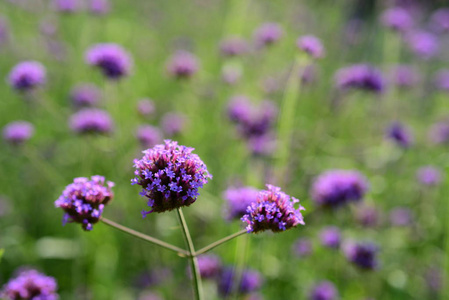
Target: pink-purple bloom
{"x":173,"y":123}
{"x":397,"y":18}
{"x":91,"y":120}
{"x":303,"y":247}
{"x":250,"y":281}
{"x":330,"y":237}
{"x":367,"y":216}
{"x":86,"y":94}
{"x":429,"y":175}
{"x":439,"y":132}
{"x":18,"y":132}
{"x":146,"y":107}
{"x":209,"y":266}
{"x":401,"y":216}
{"x":424,"y":44}
{"x":405,"y":76}
{"x":83,"y":201}
{"x":99,"y":7}
{"x":400,"y":134}
{"x":113,"y":61}
{"x":148,"y":136}
{"x":440,"y":20}
{"x":362,"y":254}
{"x":268,"y":34}
{"x":311,"y":45}
{"x":170,"y":176}
{"x":233,"y":46}
{"x":360,"y":76}
{"x":68,"y":6}
{"x":27,"y":75}
{"x":182,"y":64}
{"x":324,"y":290}
{"x":30,"y":285}
{"x":238,"y":199}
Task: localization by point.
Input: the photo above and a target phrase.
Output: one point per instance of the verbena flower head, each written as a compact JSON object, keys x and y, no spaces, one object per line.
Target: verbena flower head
{"x":91,"y":120}
{"x":182,"y":64}
{"x":401,"y":216}
{"x":397,"y":18}
{"x":250,"y":281}
{"x":330,"y":237}
{"x":173,"y":123}
{"x":209,"y":266}
{"x":360,"y":76}
{"x":99,"y":7}
{"x":273,"y":210}
{"x":86,"y":94}
{"x":363,"y":255}
{"x":440,"y":20}
{"x":83,"y":200}
{"x":67,"y":6}
{"x":233,"y":46}
{"x":424,"y":44}
{"x":336,"y":188}
{"x":238,"y":199}
{"x":111,"y":59}
{"x":303,"y":247}
{"x":148,"y":136}
{"x":231,"y":74}
{"x":429,"y":175}
{"x":146,"y":107}
{"x":400,"y":134}
{"x":405,"y":76}
{"x":170,"y":176}
{"x":442,"y":80}
{"x":262,"y":145}
{"x":267,"y":34}
{"x":311,"y":45}
{"x":324,"y":290}
{"x":27,"y":75}
{"x":239,"y":109}
{"x":30,"y":285}
{"x":260,"y":120}
{"x":367,"y":216}
{"x":439,"y":132}
{"x":18,"y":132}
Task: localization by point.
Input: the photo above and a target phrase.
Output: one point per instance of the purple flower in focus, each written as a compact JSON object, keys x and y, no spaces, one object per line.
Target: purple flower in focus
{"x":440,"y":20}
{"x":238,"y":199}
{"x":397,"y":19}
{"x":363,"y":255}
{"x":209,"y":266}
{"x":405,"y":76}
{"x":173,"y":123}
{"x":268,"y":34}
{"x":83,"y":200}
{"x":442,"y":80}
{"x":303,"y":247}
{"x":311,"y":45}
{"x":423,"y":44}
{"x":273,"y":210}
{"x":233,"y":46}
{"x":85,"y":95}
{"x":18,"y":132}
{"x":324,"y":290}
{"x":360,"y":76}
{"x":182,"y":64}
{"x":30,"y":285}
{"x":91,"y":120}
{"x":429,"y":176}
{"x":330,"y":237}
{"x":67,"y":6}
{"x":336,"y":188}
{"x":170,"y":176}
{"x":250,"y":282}
{"x":439,"y":132}
{"x":146,"y":107}
{"x":400,"y":134}
{"x":111,"y":59}
{"x":400,"y":216}
{"x":367,"y":216}
{"x":99,"y":7}
{"x":27,"y":75}
{"x":148,"y":136}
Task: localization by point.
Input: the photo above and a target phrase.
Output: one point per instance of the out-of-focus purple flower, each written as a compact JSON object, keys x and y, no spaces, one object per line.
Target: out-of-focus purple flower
{"x":273,"y":210}
{"x":440,"y":20}
{"x":363,"y":255}
{"x":148,"y":136}
{"x":99,"y":7}
{"x":83,"y":200}
{"x":170,"y":176}
{"x":261,"y":145}
{"x":111,"y":59}
{"x":400,"y":135}
{"x":86,"y":94}
{"x":324,"y":290}
{"x":27,"y":75}
{"x":367,"y":216}
{"x":268,"y":34}
{"x":360,"y":76}
{"x":303,"y":247}
{"x":239,"y":109}
{"x":149,"y":296}
{"x":238,"y":199}
{"x":30,"y":285}
{"x":434,"y":279}
{"x":18,"y":132}
{"x":173,"y":123}
{"x":397,"y":19}
{"x":250,"y":281}
{"x":155,"y":277}
{"x":231,"y":74}
{"x":308,"y":74}
{"x":146,"y":107}
{"x":209,"y":266}
{"x":442,"y":80}
{"x":439,"y":132}
{"x":424,"y":44}
{"x":91,"y":120}
{"x":259,"y":121}
{"x":48,"y":28}
{"x":233,"y":46}
{"x":336,"y":188}
{"x":67,"y":6}
{"x":405,"y":76}
{"x":400,"y":216}
{"x":330,"y":237}
{"x":311,"y":45}
{"x":4,"y":31}
{"x":429,"y":175}
{"x":182,"y":64}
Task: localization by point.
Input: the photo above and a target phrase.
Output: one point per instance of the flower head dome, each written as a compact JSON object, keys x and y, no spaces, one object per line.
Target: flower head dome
{"x":30,"y":285}
{"x":311,"y":45}
{"x":27,"y":75}
{"x":18,"y":132}
{"x":91,"y":120}
{"x":111,"y":59}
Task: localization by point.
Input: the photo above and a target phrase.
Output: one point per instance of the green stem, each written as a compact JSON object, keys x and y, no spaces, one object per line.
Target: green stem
{"x":219,"y":242}
{"x":147,"y":238}
{"x":197,"y":287}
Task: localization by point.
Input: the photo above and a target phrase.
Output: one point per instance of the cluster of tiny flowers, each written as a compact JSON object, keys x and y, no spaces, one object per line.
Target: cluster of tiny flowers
{"x":335,"y":188}
{"x":424,"y":44}
{"x":360,"y":76}
{"x":429,"y":175}
{"x":91,"y":120}
{"x":397,"y":19}
{"x":85,"y":94}
{"x":83,"y":200}
{"x":363,"y":255}
{"x":170,"y":176}
{"x":182,"y":64}
{"x":273,"y":210}
{"x":330,"y":237}
{"x":267,"y":34}
{"x":250,"y":281}
{"x":148,"y":136}
{"x":325,"y":290}
{"x":112,"y":60}
{"x":18,"y":132}
{"x":238,"y":199}
{"x":30,"y":285}
{"x":27,"y":75}
{"x":311,"y":45}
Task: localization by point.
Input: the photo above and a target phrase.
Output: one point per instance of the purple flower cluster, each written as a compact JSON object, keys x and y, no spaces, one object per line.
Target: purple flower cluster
{"x":148,"y":136}
{"x":67,"y":6}
{"x":99,"y":7}
{"x":111,"y":59}
{"x":303,"y":247}
{"x":91,"y":120}
{"x":170,"y":176}
{"x":400,"y":134}
{"x":173,"y":123}
{"x":397,"y":18}
{"x":400,"y":216}
{"x":360,"y":76}
{"x":429,"y":176}
{"x":405,"y":76}
{"x":268,"y":34}
{"x":146,"y":107}
{"x":27,"y":75}
{"x":18,"y":132}
{"x":209,"y":266}
{"x":182,"y":64}
{"x":311,"y":45}
{"x":273,"y":210}
{"x":30,"y":285}
{"x":424,"y":44}
{"x":330,"y":237}
{"x":363,"y":255}
{"x":367,"y":216}
{"x":440,"y":20}
{"x":439,"y":132}
{"x":335,"y":188}
{"x":86,"y":94}
{"x":250,"y":281}
{"x":83,"y":200}
{"x":238,"y":199}
{"x":233,"y":46}
{"x":324,"y":290}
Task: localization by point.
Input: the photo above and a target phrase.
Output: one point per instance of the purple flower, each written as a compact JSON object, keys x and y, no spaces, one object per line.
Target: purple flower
{"x":336,"y":188}
{"x":30,"y":285}
{"x":99,"y":7}
{"x":150,"y":279}
{"x":91,"y":120}
{"x":324,"y":290}
{"x":363,"y":255}
{"x":308,"y":74}
{"x":442,"y":80}
{"x":439,"y":132}
{"x":27,"y":75}
{"x":112,"y":60}
{"x":440,"y":20}
{"x":423,"y":44}
{"x":239,"y":109}
{"x":148,"y":136}
{"x":399,"y":134}
{"x":273,"y":210}
{"x":400,"y":216}
{"x":86,"y":94}
{"x":330,"y":237}
{"x":429,"y":175}
{"x":397,"y":19}
{"x":367,"y":216}
{"x":173,"y":123}
{"x":67,"y":6}
{"x":268,"y":34}
{"x":146,"y":107}
{"x":434,"y":279}
{"x":170,"y":176}
{"x":360,"y":76}
{"x":250,"y":282}
{"x":209,"y":266}
{"x":311,"y":45}
{"x":18,"y":132}
{"x":238,"y":199}
{"x":182,"y":64}
{"x":231,"y":74}
{"x":258,"y":122}
{"x":262,"y":145}
{"x":303,"y":247}
{"x":233,"y":46}
{"x":405,"y":76}
{"x":83,"y":200}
